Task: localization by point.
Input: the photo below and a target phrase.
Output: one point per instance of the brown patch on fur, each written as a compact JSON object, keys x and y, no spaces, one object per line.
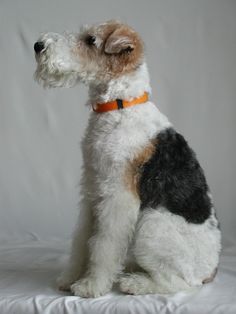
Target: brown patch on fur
{"x":111,"y":61}
{"x":211,"y":278}
{"x":120,"y":59}
{"x":134,"y":167}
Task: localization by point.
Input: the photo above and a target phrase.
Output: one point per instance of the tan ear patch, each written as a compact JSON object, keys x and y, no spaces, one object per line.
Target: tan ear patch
{"x":119,"y":50}
{"x":121,"y":39}
{"x":134,"y":167}
{"x":123,"y":50}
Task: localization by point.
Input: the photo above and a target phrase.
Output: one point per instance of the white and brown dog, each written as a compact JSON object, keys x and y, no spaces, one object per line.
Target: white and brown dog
{"x":146,"y":216}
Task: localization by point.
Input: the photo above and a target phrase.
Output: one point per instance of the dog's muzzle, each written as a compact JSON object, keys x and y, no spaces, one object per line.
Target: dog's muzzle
{"x":38,"y":46}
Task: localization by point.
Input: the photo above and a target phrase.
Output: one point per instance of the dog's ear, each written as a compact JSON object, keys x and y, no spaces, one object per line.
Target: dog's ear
{"x":121,"y":40}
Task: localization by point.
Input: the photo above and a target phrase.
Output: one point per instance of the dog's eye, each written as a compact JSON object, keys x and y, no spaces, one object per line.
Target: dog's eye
{"x":90,"y":40}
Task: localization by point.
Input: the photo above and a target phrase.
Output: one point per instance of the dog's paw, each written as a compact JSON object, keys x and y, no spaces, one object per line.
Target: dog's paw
{"x":136,"y":284}
{"x":127,"y":285}
{"x":89,"y":288}
{"x":65,"y":280}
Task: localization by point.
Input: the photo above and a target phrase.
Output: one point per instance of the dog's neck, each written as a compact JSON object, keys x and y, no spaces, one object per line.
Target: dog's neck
{"x":129,"y":86}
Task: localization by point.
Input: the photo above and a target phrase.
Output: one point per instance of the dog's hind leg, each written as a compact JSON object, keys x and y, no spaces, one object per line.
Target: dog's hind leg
{"x":163,"y":254}
{"x":144,"y":283}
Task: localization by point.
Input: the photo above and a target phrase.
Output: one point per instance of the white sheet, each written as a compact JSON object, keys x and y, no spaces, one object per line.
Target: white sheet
{"x":27,"y":285}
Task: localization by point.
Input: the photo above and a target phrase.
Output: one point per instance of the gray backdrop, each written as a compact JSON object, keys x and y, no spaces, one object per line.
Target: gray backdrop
{"x":191,"y":52}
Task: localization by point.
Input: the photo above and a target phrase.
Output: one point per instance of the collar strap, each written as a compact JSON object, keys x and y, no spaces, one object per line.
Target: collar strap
{"x":120,"y":104}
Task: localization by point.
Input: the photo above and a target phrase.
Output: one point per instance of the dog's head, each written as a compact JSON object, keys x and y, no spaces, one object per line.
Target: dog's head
{"x":96,"y":55}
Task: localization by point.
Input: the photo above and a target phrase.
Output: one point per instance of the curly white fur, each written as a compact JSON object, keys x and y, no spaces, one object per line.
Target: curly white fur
{"x":173,"y":254}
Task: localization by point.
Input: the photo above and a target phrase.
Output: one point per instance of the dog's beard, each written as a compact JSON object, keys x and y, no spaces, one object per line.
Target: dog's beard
{"x":48,"y":77}
{"x":56,"y":64}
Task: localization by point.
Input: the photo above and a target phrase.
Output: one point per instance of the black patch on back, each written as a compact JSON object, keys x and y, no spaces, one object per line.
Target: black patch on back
{"x":173,"y":178}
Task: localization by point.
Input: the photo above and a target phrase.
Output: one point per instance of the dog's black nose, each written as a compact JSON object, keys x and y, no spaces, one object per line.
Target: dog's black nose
{"x":38,"y":46}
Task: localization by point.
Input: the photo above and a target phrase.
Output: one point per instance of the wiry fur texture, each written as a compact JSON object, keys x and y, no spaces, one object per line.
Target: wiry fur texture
{"x":172,"y":177}
{"x":121,"y":226}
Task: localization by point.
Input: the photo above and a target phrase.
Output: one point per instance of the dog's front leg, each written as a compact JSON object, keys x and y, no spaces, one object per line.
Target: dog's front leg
{"x":79,"y":250}
{"x":116,"y":219}
{"x":79,"y":254}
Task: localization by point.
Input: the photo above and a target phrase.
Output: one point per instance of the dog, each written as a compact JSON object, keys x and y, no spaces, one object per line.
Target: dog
{"x":147,"y":220}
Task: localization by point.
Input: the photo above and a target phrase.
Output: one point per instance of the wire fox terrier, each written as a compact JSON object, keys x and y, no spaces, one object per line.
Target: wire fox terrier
{"x":146,"y":217}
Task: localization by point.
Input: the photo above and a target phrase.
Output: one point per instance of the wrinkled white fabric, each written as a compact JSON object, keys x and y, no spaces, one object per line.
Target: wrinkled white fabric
{"x":27,"y":285}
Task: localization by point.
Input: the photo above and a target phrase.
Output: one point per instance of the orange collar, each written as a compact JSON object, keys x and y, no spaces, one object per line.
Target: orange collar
{"x":120,"y":104}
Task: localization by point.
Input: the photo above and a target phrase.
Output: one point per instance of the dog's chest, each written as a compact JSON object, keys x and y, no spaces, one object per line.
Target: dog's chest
{"x":112,"y":140}
{"x":110,"y":143}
